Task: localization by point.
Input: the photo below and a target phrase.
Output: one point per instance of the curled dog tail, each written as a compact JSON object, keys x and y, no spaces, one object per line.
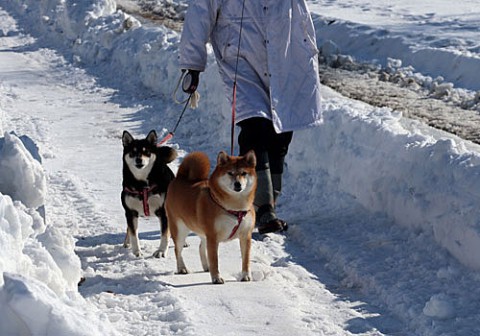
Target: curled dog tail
{"x":194,"y":167}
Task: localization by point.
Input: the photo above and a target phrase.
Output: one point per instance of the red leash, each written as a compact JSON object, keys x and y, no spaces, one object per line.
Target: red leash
{"x":232,"y":131}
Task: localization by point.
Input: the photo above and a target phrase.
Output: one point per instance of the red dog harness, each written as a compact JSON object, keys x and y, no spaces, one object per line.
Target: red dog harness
{"x":143,"y":196}
{"x":240,"y":214}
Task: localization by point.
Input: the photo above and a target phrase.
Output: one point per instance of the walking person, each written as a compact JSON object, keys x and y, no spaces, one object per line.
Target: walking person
{"x":268,"y":49}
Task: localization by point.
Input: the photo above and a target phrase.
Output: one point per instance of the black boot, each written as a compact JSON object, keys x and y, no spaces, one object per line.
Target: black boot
{"x":277,"y":187}
{"x":267,"y":220}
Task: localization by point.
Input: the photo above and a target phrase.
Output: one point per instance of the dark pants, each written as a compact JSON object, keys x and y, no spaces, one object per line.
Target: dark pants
{"x":270,"y":147}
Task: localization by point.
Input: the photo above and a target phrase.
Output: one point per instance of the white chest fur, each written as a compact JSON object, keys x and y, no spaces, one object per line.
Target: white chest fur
{"x":226,"y":225}
{"x":154,"y":201}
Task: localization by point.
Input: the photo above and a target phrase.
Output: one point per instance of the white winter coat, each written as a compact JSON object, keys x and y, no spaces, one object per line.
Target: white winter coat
{"x":277,"y":75}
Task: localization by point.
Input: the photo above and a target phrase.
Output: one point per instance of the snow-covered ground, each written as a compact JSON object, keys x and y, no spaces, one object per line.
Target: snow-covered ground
{"x":435,"y":37}
{"x":385,"y":225}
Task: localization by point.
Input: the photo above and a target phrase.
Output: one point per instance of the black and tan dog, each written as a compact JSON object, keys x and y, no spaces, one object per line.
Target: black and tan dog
{"x":146,"y":177}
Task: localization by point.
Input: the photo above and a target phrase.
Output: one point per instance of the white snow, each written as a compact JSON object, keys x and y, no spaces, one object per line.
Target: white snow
{"x":437,"y":38}
{"x":385,"y":224}
{"x":22,"y":177}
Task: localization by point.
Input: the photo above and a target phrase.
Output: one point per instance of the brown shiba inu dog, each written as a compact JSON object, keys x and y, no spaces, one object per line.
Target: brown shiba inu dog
{"x":218,"y":209}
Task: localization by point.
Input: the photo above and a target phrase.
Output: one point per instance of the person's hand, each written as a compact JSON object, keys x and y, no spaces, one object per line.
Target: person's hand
{"x":190,"y":81}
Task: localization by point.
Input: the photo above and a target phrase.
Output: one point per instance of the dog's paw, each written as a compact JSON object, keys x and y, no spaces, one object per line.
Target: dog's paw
{"x":183,"y":271}
{"x":138,"y":253}
{"x":246,"y":277}
{"x":218,"y":280}
{"x":159,"y":254}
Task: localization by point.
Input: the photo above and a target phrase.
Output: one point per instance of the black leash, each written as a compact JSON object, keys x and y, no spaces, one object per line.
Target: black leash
{"x":172,"y":133}
{"x":234,"y":93}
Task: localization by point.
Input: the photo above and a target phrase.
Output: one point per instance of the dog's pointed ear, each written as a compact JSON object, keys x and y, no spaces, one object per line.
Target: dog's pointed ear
{"x":250,"y":158}
{"x":152,"y":137}
{"x":127,"y":138}
{"x":222,"y":158}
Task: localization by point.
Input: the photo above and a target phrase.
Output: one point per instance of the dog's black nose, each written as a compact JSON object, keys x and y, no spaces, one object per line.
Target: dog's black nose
{"x":138,"y":161}
{"x":237,"y":186}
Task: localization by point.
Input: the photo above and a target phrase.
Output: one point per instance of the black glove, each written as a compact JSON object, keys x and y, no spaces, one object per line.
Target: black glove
{"x":190,"y":81}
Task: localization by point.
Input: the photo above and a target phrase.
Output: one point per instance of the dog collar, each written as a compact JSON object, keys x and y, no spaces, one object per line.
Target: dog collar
{"x":143,"y":196}
{"x":239,"y":214}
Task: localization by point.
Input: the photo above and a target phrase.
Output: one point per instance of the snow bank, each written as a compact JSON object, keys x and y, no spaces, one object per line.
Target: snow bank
{"x":40,"y":271}
{"x":367,"y":43}
{"x":43,"y":255}
{"x":99,"y":35}
{"x":30,"y":307}
{"x":22,"y":175}
{"x":423,"y":182}
{"x":129,"y":55}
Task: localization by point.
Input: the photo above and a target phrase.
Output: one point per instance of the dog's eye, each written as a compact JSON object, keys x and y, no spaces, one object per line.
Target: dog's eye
{"x":145,"y":151}
{"x":230,"y":173}
{"x":243,"y":174}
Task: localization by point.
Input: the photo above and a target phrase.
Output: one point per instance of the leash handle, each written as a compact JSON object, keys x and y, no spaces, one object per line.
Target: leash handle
{"x":186,"y":81}
{"x":174,"y":94}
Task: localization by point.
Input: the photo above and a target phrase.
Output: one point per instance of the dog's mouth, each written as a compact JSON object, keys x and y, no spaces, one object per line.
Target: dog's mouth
{"x":139,"y":165}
